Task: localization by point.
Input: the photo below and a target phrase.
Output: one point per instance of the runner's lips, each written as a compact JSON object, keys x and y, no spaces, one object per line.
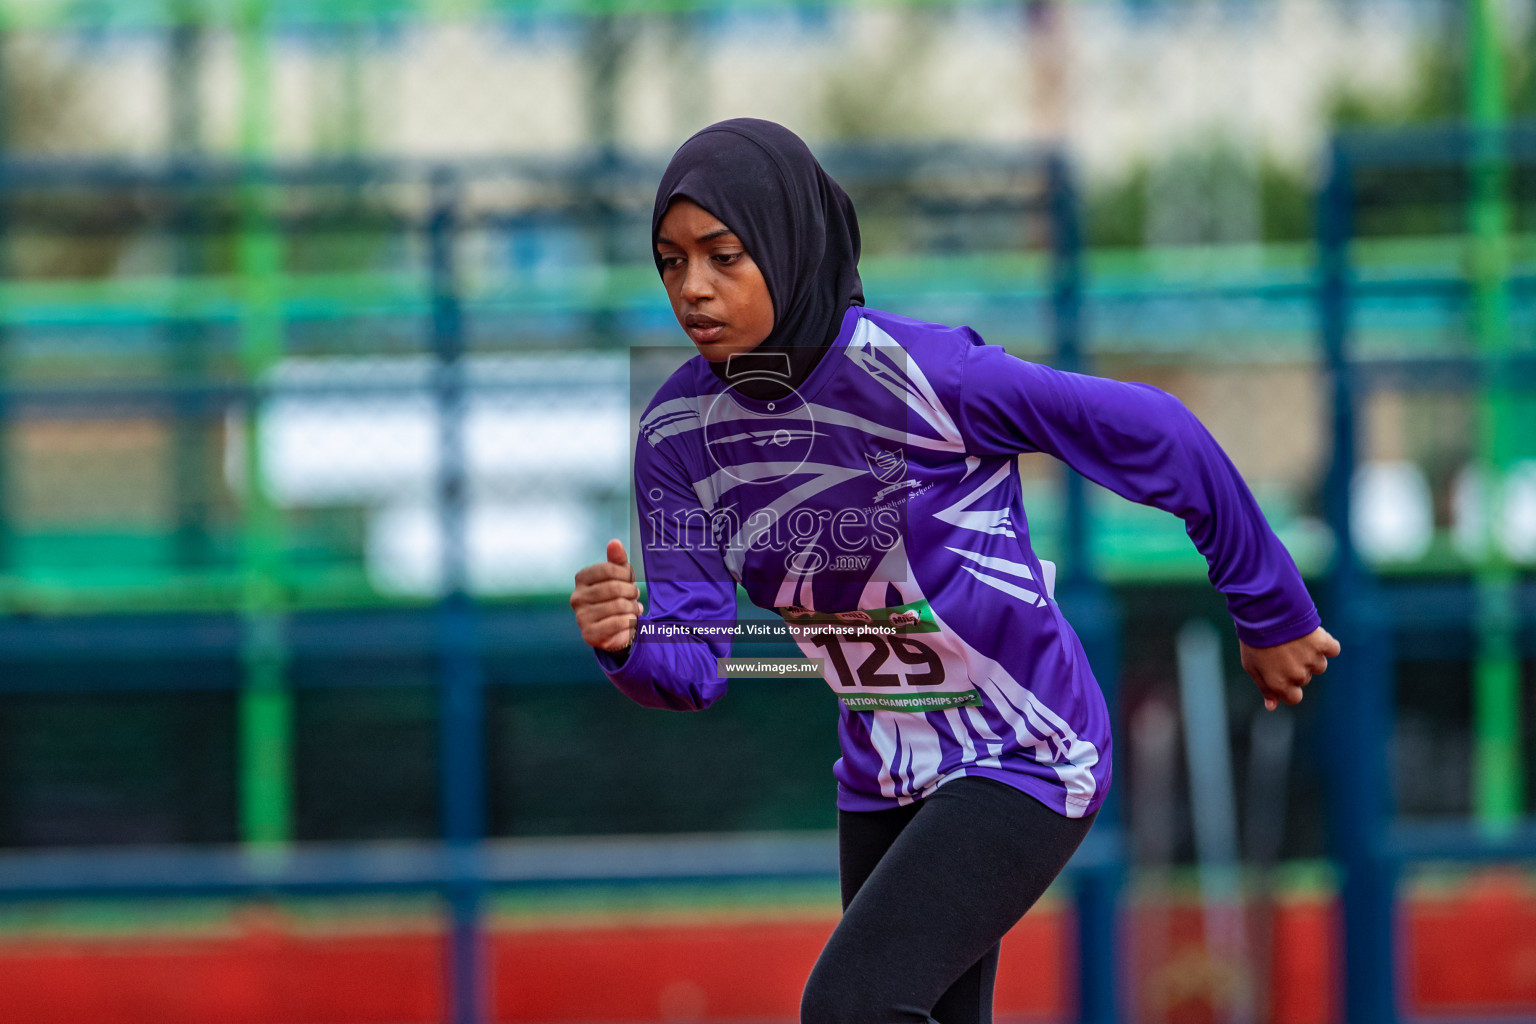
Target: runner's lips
{"x":703,"y":329}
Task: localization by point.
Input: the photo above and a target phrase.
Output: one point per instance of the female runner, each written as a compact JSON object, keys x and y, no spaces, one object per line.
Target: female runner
{"x":856,"y":471}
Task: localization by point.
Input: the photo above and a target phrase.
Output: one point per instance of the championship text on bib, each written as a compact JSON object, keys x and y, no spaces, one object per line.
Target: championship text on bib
{"x":885,"y":659}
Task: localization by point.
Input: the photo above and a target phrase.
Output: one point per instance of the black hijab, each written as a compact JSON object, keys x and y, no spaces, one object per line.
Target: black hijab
{"x":762,"y":182}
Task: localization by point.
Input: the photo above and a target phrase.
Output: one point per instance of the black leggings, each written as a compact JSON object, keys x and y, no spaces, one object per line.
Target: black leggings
{"x":929,"y":890}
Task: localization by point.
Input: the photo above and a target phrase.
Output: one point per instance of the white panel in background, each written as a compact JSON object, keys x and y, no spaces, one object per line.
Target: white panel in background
{"x":1514,"y":520}
{"x":1393,"y":511}
{"x":349,"y":431}
{"x":337,"y":450}
{"x":510,"y":548}
{"x":1467,"y":504}
{"x":1517,"y":525}
{"x":346,"y":450}
{"x":541,"y":436}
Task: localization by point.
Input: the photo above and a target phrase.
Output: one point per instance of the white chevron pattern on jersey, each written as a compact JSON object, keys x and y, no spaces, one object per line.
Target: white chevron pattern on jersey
{"x":677,"y":416}
{"x":991,"y":520}
{"x":884,"y":359}
{"x":1005,"y":565}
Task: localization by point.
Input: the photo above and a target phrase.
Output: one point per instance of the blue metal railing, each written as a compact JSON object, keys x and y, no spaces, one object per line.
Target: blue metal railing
{"x":459,"y":631}
{"x":1372,"y":618}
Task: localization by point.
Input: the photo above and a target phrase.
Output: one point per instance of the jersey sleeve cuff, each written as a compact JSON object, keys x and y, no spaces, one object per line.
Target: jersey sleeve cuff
{"x":1272,"y":636}
{"x":615,"y":663}
{"x":632,"y":677}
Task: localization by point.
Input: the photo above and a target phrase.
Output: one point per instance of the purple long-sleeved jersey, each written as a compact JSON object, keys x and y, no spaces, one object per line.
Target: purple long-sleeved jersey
{"x":885,"y":494}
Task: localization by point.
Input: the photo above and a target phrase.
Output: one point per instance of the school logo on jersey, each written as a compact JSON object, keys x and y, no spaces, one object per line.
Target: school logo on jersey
{"x":890,"y":468}
{"x":887,"y":467}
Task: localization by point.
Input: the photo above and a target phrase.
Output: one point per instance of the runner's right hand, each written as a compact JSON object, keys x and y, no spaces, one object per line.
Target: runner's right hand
{"x":607,"y":601}
{"x":1282,"y":670}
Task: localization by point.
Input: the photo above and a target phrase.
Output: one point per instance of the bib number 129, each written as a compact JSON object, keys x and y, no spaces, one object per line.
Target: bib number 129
{"x":921,"y":664}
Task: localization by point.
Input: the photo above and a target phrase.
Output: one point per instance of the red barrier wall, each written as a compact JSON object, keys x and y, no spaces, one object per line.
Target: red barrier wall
{"x":1474,"y":953}
{"x":723,"y":972}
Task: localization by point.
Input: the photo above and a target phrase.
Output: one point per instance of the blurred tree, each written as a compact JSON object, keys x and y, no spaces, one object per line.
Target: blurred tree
{"x":46,"y":111}
{"x":886,"y":96}
{"x":1117,"y":210}
{"x":1439,"y":91}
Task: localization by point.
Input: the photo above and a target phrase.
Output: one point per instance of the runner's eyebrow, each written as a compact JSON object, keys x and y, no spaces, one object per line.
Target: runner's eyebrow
{"x":710,"y":237}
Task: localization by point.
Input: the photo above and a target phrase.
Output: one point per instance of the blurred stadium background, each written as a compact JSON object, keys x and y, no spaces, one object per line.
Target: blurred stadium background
{"x":315,"y":323}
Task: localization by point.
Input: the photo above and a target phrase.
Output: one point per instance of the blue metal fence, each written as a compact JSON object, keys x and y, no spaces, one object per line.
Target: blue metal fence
{"x":1378,"y":619}
{"x":459,"y":629}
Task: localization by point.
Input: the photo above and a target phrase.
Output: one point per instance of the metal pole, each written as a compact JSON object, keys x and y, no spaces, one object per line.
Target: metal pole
{"x":1358,"y":704}
{"x":1066,"y":337}
{"x":1334,"y":229}
{"x":1092,"y":611}
{"x":191,"y":448}
{"x":8,"y":559}
{"x":462,"y":736}
{"x":1497,"y":796}
{"x":265,"y":706}
{"x":606,"y":43}
{"x":1213,"y":811}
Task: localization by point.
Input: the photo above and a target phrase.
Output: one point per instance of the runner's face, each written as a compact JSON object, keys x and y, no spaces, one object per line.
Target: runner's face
{"x":718,"y":293}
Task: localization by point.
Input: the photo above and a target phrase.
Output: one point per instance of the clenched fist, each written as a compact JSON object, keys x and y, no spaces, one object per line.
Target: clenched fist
{"x":607,"y":601}
{"x":1281,"y":671}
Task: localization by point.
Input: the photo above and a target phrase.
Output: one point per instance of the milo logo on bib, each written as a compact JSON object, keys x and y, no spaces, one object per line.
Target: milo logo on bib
{"x":915,"y":617}
{"x":875,"y":663}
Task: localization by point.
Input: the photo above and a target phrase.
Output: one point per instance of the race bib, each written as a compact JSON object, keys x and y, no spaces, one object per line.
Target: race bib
{"x":885,"y":659}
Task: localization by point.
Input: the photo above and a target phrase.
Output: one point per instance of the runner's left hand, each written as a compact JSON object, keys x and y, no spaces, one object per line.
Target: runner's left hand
{"x":1281,"y":671}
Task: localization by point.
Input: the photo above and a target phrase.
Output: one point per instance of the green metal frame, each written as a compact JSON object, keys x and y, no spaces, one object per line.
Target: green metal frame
{"x":266,"y":706}
{"x":1497,"y":773}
